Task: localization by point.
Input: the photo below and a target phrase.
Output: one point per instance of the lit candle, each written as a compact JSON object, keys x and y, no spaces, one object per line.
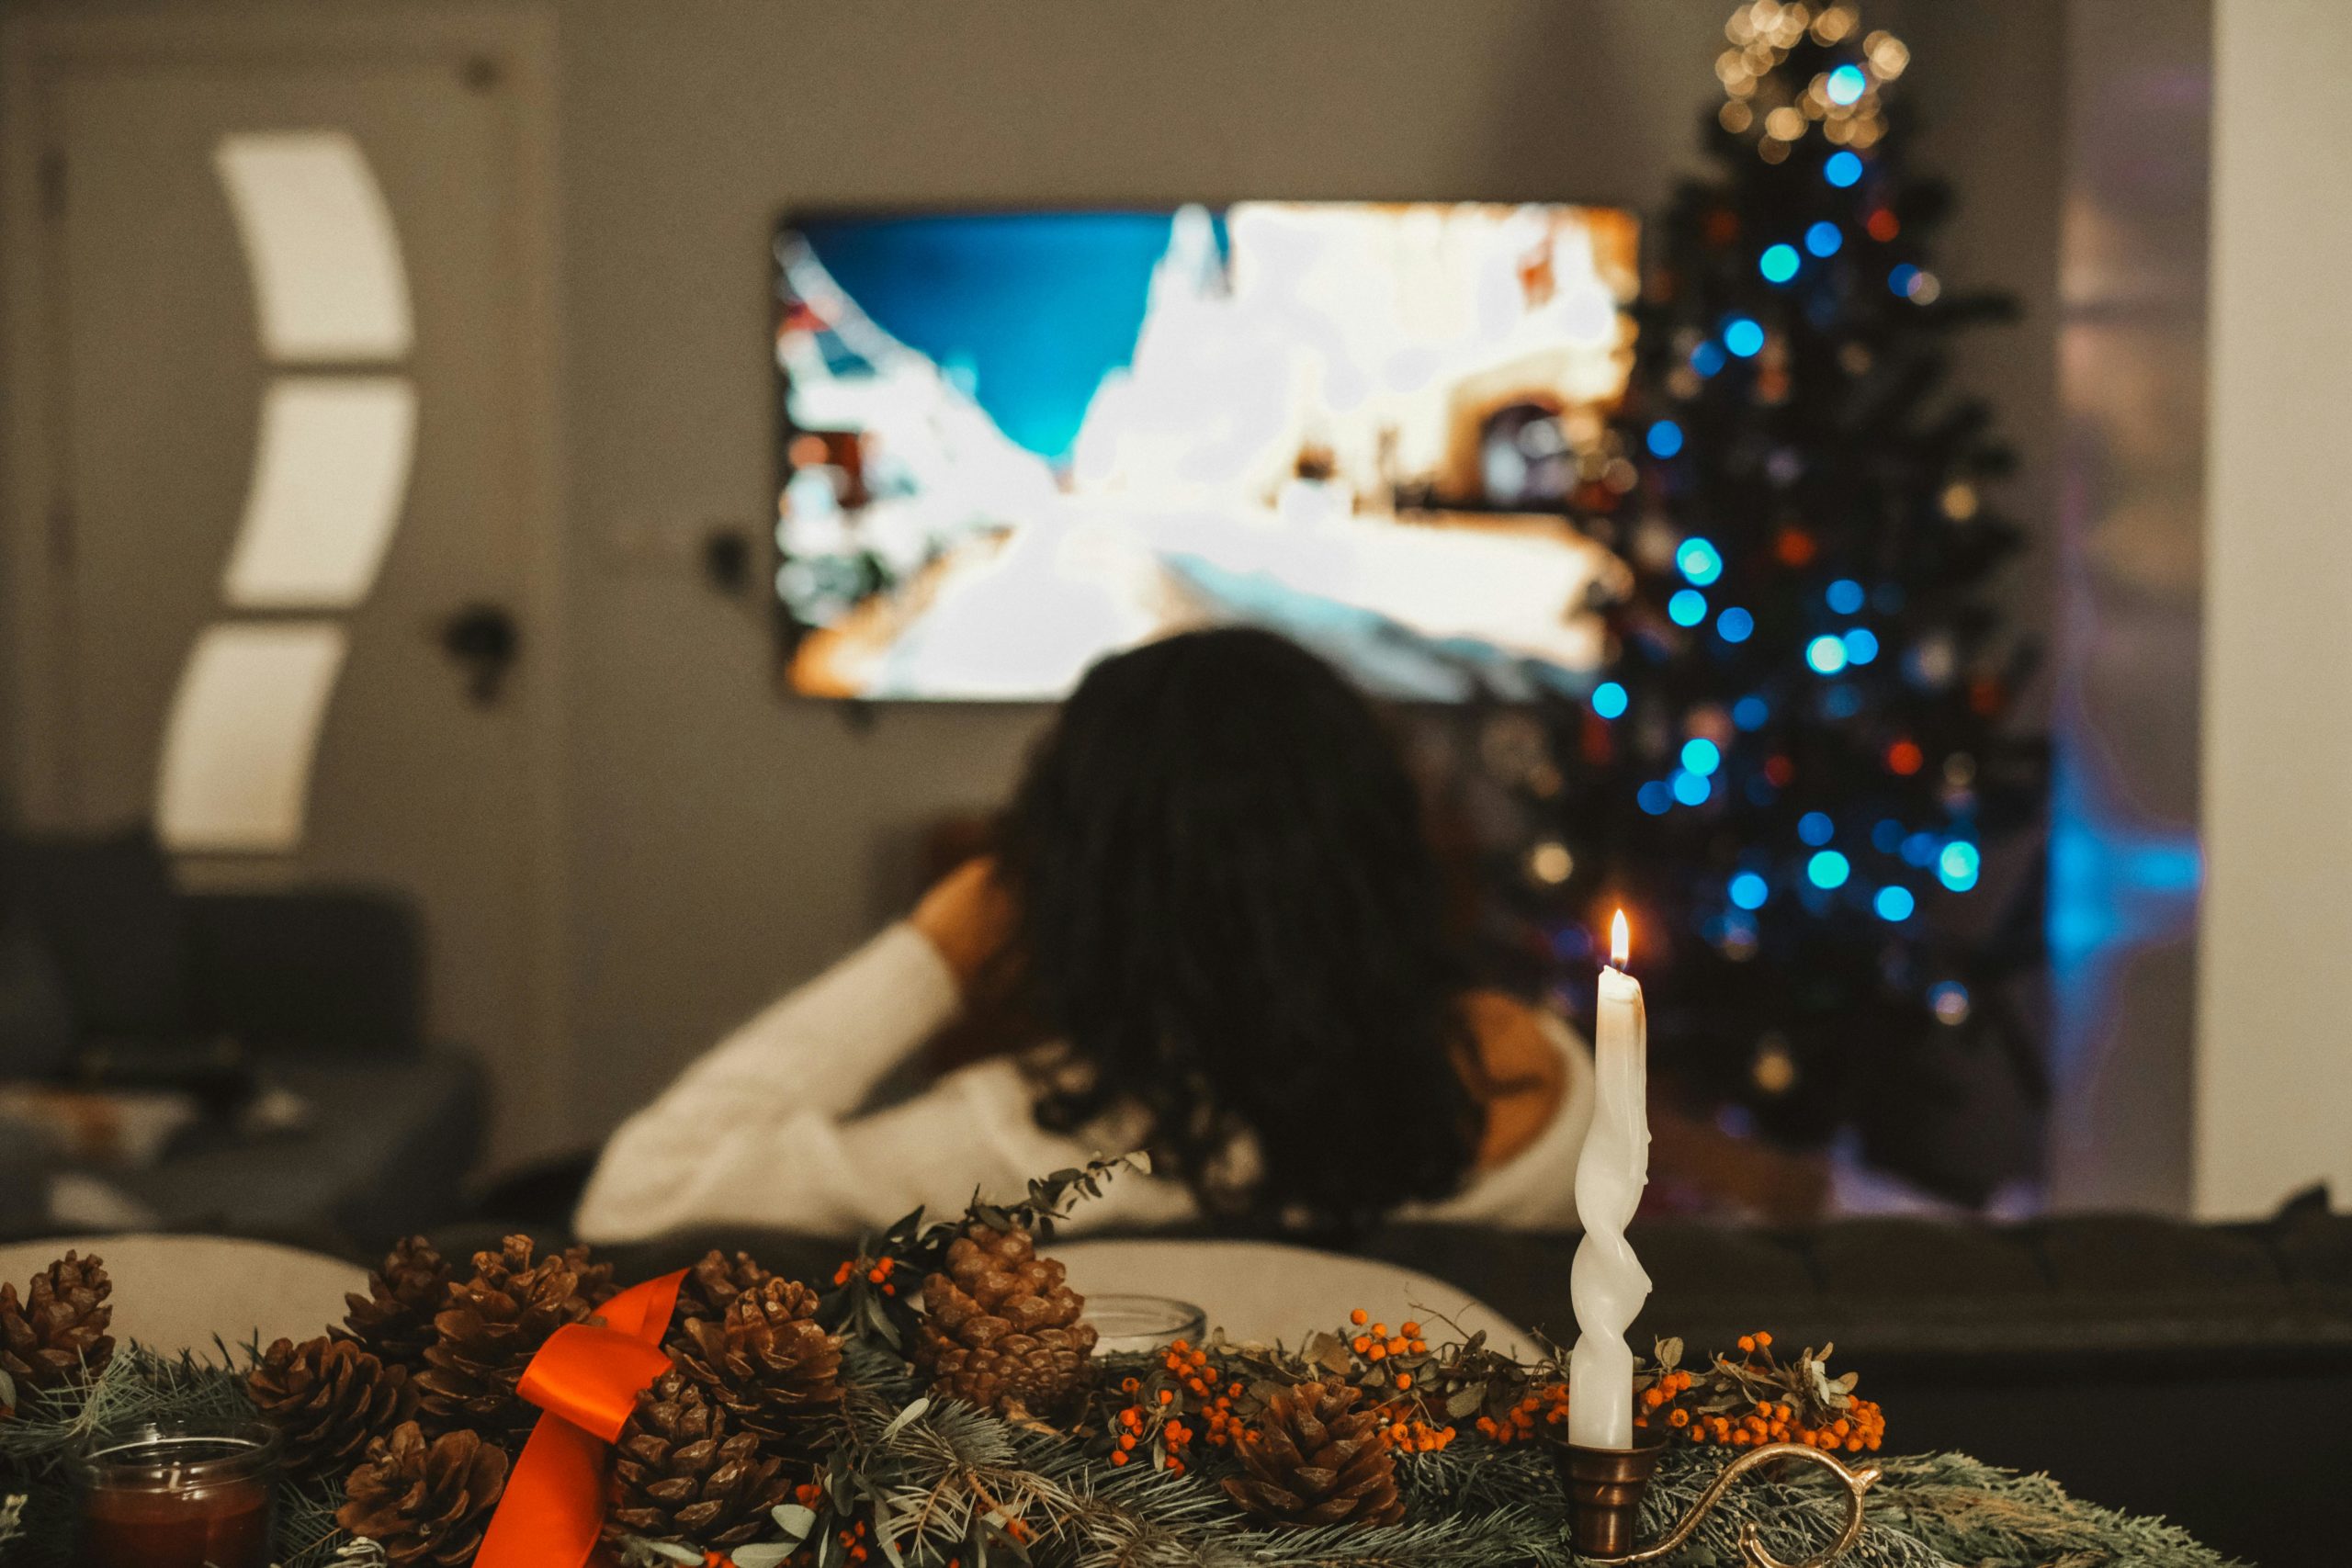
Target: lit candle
{"x":1607,"y":1284}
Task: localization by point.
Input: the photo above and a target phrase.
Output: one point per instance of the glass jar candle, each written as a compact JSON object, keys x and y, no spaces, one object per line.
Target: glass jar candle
{"x":178,"y":1496}
{"x":1140,"y":1324}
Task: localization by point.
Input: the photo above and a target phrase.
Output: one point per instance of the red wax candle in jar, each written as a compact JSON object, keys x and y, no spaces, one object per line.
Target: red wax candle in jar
{"x":178,"y":1498}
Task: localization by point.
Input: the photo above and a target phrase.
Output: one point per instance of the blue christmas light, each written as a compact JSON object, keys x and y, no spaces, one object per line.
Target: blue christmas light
{"x":1708,"y":357}
{"x":1827,"y":654}
{"x":1958,"y":865}
{"x":1900,"y":280}
{"x":1655,"y":798}
{"x":1825,"y":239}
{"x":1862,"y":646}
{"x":1815,"y":827}
{"x":1749,"y":712}
{"x":1919,"y":850}
{"x":1689,"y":788}
{"x":1699,"y":561}
{"x":1778,"y":263}
{"x":1828,"y":869}
{"x":1840,"y":701}
{"x":1687,"y":608}
{"x":1842,"y":169}
{"x":1735,"y":625}
{"x":1886,"y":836}
{"x":1847,"y":84}
{"x":1702,"y":756}
{"x":1609,"y":699}
{"x":1749,"y":890}
{"x":1845,"y":596}
{"x":1742,"y":337}
{"x":1894,"y":903}
{"x":1665,"y":438}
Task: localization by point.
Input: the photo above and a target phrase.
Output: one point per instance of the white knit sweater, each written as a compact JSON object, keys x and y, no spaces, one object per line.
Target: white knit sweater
{"x":764,"y":1130}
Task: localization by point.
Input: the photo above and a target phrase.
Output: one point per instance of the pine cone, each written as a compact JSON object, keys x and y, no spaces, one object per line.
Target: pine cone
{"x":1000,"y":1328}
{"x":425,"y":1503}
{"x":329,"y":1399}
{"x":711,"y":1286}
{"x":495,"y":1323}
{"x":1316,"y":1460}
{"x":59,"y":1331}
{"x":679,"y":1474}
{"x":766,"y":1361}
{"x":394,"y":1320}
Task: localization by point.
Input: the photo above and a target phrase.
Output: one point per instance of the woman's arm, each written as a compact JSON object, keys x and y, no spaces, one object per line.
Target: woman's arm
{"x":810,"y":1057}
{"x":745,"y":1130}
{"x":973,"y":1131}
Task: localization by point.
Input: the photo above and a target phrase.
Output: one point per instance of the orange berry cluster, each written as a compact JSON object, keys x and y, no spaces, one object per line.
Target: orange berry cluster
{"x":853,"y":1541}
{"x":1545,"y":1407}
{"x":1860,"y":1425}
{"x":1374,"y":1343}
{"x":1668,"y":1387}
{"x":1408,"y":1428}
{"x":875,"y":1272}
{"x":1414,"y":1436}
{"x":1158,"y":1415}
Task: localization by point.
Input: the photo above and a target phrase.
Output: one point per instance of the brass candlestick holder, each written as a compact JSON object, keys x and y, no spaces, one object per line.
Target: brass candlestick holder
{"x":1605,"y":1488}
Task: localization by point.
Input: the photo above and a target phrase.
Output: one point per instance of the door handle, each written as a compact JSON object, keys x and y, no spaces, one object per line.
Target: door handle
{"x":482,"y":640}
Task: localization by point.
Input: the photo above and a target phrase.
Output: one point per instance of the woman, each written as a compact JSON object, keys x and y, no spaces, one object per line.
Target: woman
{"x":1214,"y":895}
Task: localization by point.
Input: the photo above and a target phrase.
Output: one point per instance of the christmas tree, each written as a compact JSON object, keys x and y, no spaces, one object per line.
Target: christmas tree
{"x":1801,"y":753}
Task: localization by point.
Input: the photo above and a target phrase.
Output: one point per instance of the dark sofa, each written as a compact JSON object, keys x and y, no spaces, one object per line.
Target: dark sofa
{"x":316,"y":991}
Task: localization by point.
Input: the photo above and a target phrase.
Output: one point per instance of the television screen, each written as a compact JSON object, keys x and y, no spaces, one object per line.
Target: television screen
{"x":1014,"y":442}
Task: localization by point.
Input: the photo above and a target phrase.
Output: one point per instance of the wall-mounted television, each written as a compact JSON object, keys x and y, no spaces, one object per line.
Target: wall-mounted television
{"x":1012,"y":443}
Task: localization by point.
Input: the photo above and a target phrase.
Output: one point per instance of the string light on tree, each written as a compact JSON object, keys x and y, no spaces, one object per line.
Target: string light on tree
{"x":1700,"y":563}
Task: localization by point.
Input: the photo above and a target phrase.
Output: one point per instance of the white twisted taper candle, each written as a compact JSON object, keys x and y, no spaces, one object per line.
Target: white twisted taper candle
{"x":1607,"y":1284}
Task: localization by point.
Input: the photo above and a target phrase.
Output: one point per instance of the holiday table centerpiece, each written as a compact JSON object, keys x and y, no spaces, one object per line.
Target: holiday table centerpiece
{"x":520,"y":1409}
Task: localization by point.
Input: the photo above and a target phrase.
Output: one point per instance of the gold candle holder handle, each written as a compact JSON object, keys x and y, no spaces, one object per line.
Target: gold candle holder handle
{"x":1752,"y":1549}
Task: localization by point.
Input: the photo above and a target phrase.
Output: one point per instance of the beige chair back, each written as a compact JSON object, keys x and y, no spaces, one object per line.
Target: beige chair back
{"x":1267,"y":1291}
{"x":176,"y":1293}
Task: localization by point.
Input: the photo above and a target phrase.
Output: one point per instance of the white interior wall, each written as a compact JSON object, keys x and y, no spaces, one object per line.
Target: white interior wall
{"x":2274,"y":1070}
{"x":728,"y":841}
{"x":723,"y":841}
{"x":2129,"y":541}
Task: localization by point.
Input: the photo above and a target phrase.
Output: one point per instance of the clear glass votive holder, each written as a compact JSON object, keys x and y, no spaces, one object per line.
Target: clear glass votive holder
{"x":1126,"y":1324}
{"x":178,"y":1496}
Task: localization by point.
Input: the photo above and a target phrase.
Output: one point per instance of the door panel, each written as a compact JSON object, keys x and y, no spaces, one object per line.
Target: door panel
{"x":392,"y":495}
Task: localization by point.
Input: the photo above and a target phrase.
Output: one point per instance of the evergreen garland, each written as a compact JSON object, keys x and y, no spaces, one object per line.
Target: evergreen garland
{"x":898,"y":1473}
{"x":935,"y":1483}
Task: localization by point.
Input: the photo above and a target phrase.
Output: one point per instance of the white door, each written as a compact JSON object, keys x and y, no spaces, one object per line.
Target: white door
{"x":286,"y":583}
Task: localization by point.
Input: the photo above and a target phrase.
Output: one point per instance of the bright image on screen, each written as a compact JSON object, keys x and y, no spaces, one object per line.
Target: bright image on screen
{"x":1016,"y":443}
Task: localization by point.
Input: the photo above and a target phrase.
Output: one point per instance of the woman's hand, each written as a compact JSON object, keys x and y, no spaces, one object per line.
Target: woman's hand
{"x":969,"y":918}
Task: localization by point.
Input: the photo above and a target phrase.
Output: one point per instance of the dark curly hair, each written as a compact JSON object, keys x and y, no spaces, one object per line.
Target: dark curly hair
{"x":1231,"y":912}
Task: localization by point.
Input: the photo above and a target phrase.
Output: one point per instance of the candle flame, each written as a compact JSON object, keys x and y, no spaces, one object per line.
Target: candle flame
{"x":1618,"y":946}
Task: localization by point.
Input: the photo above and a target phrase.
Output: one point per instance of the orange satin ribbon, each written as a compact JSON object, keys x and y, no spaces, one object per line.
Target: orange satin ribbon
{"x":587,"y":1379}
